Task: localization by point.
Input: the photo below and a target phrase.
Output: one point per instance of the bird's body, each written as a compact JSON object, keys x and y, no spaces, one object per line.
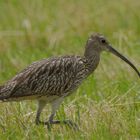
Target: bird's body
{"x":50,"y":80}
{"x":56,"y":76}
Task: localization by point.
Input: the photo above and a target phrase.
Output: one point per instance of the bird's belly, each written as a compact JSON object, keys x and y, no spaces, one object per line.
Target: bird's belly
{"x":50,"y":98}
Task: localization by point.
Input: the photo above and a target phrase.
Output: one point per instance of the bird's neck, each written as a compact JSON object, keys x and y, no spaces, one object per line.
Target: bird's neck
{"x":92,"y":60}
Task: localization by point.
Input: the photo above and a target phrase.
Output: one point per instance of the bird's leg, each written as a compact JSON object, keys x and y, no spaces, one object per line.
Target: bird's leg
{"x":41,"y":105}
{"x":55,"y":106}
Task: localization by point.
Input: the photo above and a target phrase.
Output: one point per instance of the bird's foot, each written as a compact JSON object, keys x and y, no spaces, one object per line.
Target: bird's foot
{"x":67,"y":122}
{"x":38,"y":122}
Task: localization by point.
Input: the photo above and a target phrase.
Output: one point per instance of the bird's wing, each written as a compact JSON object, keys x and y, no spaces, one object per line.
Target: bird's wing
{"x":48,"y":76}
{"x":17,"y":86}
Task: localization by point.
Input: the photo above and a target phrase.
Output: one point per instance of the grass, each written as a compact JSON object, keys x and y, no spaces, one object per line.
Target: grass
{"x":107,"y":104}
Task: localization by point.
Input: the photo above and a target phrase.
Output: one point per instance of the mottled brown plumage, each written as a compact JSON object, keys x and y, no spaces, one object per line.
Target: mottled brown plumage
{"x":50,"y":80}
{"x":54,"y":76}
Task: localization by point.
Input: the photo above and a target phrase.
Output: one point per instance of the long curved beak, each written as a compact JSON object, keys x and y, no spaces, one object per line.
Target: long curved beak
{"x":112,"y":50}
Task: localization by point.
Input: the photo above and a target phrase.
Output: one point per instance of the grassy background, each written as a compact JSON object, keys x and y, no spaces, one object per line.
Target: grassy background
{"x":107,"y":105}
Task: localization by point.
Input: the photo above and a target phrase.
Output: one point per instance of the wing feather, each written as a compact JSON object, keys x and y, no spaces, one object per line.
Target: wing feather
{"x":48,"y":76}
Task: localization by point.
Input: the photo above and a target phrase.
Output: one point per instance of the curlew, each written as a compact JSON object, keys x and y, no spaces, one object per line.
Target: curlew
{"x":51,"y":80}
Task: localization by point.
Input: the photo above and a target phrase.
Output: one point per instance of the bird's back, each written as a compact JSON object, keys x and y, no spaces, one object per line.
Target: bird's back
{"x":54,"y":76}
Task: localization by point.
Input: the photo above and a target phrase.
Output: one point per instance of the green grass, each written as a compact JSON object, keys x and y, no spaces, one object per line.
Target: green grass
{"x":107,"y":104}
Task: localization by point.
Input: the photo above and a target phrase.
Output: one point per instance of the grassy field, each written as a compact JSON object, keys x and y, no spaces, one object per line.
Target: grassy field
{"x":107,"y":104}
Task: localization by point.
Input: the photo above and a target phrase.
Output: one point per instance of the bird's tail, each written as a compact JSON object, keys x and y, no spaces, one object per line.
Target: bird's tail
{"x":3,"y":93}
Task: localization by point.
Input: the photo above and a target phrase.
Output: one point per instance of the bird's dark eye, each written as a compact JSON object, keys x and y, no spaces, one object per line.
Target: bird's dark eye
{"x":103,"y":41}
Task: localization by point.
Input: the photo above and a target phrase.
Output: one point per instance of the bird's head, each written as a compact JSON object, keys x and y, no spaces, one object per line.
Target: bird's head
{"x":98,"y":43}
